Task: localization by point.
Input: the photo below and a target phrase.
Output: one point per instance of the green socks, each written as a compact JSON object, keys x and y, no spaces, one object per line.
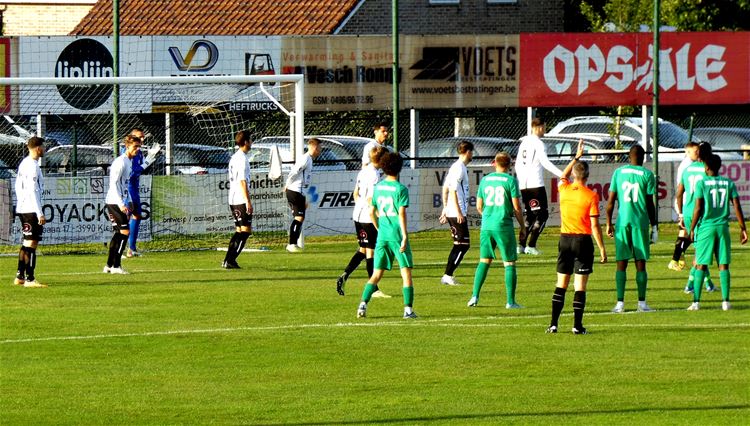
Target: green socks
{"x":724,"y":277}
{"x":691,"y":278}
{"x":697,"y":277}
{"x":620,"y":278}
{"x":408,"y":296}
{"x":510,"y":284}
{"x":368,"y":291}
{"x":641,"y":280}
{"x":479,"y":276}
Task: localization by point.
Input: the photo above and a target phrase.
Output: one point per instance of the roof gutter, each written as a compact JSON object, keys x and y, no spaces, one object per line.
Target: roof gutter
{"x":343,"y":23}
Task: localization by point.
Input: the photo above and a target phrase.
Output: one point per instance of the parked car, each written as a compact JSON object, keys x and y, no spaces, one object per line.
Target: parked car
{"x":193,"y":159}
{"x":259,"y":157}
{"x":344,"y":149}
{"x":89,"y":160}
{"x":597,"y":148}
{"x":726,"y":138}
{"x":187,"y":159}
{"x":13,"y":138}
{"x":672,"y":138}
{"x":441,"y":152}
{"x":6,"y":172}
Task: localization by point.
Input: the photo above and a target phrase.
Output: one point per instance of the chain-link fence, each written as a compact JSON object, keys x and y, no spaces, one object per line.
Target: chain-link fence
{"x":82,"y":144}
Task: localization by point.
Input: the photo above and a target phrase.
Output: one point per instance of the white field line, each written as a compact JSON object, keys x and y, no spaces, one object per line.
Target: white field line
{"x":438,"y":322}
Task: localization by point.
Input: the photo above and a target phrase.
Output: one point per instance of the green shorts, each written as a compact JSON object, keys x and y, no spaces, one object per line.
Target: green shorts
{"x":632,"y":242}
{"x":710,"y":241}
{"x":688,"y":220}
{"x":386,"y":251}
{"x":504,"y":239}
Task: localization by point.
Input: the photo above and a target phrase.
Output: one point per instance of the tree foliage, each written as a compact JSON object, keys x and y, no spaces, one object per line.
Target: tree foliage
{"x":684,"y":15}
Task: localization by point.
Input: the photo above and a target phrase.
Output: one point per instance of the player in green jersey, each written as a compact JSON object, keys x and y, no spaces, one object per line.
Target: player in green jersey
{"x":685,"y":204}
{"x":632,"y":187}
{"x":710,"y":227}
{"x":388,"y":212}
{"x":497,"y":202}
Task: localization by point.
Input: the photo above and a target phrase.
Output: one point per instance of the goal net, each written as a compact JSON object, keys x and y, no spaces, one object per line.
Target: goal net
{"x":191,"y":120}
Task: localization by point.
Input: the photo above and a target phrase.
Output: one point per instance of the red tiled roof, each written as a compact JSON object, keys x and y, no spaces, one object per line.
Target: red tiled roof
{"x":217,"y":17}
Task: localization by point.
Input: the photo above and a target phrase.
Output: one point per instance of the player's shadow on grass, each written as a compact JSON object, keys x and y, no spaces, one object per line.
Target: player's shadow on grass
{"x":508,"y":416}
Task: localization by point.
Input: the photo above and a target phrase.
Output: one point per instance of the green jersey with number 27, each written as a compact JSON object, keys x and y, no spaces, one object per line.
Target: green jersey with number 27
{"x":388,"y":197}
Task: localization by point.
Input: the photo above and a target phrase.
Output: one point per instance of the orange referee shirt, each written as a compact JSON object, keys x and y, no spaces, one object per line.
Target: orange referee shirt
{"x":577,"y":204}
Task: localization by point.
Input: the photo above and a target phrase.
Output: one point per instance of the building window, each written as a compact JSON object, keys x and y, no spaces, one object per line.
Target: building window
{"x":502,"y":1}
{"x":444,"y":2}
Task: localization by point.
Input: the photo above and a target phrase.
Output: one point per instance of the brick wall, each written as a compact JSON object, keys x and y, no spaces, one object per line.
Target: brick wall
{"x":26,"y":20}
{"x":469,"y":17}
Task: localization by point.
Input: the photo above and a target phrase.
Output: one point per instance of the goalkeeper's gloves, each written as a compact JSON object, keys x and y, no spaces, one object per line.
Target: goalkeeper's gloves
{"x":151,"y":155}
{"x":654,"y":234}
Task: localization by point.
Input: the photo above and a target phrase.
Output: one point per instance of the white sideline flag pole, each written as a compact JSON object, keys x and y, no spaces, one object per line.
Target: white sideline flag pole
{"x":275,"y":170}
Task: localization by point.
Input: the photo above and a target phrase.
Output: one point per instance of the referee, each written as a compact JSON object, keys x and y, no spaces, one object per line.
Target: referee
{"x":579,"y":219}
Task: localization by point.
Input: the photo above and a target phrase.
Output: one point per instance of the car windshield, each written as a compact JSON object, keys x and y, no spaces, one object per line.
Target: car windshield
{"x":672,"y":136}
{"x":215,"y":158}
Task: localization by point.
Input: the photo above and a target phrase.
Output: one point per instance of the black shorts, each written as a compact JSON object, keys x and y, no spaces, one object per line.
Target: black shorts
{"x":367,"y":234}
{"x":534,"y":200}
{"x":118,"y":218}
{"x":30,"y":227}
{"x":296,"y":203}
{"x":576,"y":254}
{"x":459,"y":231}
{"x":241,"y":216}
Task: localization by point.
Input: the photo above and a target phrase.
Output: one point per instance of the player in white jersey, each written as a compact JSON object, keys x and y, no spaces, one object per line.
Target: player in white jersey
{"x":530,"y":164}
{"x":683,"y":242}
{"x":380,"y":131}
{"x":455,"y":209}
{"x":298,"y":180}
{"x":239,"y":199}
{"x":29,"y":188}
{"x":367,"y":234}
{"x":119,"y":204}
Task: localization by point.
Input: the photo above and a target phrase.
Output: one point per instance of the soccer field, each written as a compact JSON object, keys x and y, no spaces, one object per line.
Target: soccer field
{"x":182,"y":341}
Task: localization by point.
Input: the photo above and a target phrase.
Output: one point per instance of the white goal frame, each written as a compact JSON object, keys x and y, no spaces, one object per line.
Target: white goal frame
{"x":296,"y":117}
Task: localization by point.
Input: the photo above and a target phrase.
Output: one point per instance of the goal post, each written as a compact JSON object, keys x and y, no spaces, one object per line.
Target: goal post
{"x":192,"y":118}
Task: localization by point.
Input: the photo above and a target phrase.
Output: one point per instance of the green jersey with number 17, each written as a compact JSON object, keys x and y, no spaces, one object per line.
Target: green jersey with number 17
{"x":388,"y":197}
{"x":632,"y":185}
{"x":717,"y":193}
{"x":496,"y":190}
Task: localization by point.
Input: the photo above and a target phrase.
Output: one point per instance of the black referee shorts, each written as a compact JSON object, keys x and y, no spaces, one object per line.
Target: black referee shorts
{"x":576,"y":254}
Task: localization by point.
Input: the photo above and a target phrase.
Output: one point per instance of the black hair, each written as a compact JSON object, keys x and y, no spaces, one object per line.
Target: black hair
{"x":713,"y":163}
{"x":391,"y":164}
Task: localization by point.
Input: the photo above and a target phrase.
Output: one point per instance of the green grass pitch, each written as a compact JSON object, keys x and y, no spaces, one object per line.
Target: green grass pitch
{"x":181,"y":341}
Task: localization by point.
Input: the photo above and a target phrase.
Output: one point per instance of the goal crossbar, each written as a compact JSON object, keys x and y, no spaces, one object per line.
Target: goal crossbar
{"x":296,"y":117}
